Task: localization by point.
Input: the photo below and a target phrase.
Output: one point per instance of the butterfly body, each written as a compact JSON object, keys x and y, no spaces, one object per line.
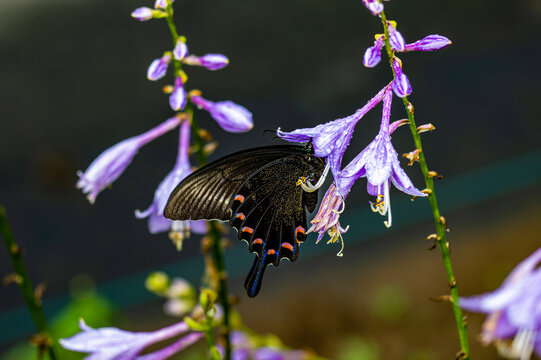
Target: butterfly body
{"x":258,"y":192}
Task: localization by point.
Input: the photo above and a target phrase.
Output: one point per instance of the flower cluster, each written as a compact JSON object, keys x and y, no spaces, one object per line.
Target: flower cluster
{"x":114,"y":344}
{"x":372,"y":55}
{"x":378,"y":162}
{"x":514,"y":311}
{"x":231,"y":117}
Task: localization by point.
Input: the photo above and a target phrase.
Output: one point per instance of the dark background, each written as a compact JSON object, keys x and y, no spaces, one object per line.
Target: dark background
{"x":73,"y":82}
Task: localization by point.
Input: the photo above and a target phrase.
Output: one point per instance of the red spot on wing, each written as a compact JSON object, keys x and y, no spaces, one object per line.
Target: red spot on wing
{"x":240,"y":216}
{"x":257,"y":241}
{"x":247,"y":229}
{"x":271,"y":252}
{"x":239,"y":198}
{"x":298,"y":230}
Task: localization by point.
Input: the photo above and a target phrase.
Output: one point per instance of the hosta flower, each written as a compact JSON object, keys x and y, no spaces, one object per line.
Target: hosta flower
{"x":375,"y":6}
{"x":178,"y":98}
{"x":514,"y":311}
{"x":401,"y":83}
{"x":378,"y":162}
{"x":158,"y":67}
{"x":114,"y":344}
{"x":330,"y":140}
{"x":107,"y":167}
{"x":209,"y":61}
{"x":156,"y":221}
{"x":230,"y":116}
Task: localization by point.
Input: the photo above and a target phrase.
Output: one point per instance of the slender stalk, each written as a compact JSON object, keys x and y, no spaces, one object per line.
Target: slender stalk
{"x":216,"y":243}
{"x":33,"y":303}
{"x":438,"y":219}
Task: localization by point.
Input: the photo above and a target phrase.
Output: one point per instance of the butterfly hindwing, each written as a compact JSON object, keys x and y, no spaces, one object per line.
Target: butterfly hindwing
{"x":257,"y":190}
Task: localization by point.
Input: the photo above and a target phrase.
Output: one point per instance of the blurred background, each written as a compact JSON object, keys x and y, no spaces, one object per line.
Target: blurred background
{"x":73,"y":83}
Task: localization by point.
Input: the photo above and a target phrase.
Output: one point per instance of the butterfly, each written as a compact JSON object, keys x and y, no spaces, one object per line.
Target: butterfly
{"x":264,"y":194}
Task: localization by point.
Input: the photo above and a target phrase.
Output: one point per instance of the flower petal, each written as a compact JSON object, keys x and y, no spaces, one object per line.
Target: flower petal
{"x":372,"y":56}
{"x":158,"y":67}
{"x":375,"y":6}
{"x":230,"y":116}
{"x":142,"y":13}
{"x":181,"y":50}
{"x":401,"y":83}
{"x":178,"y":98}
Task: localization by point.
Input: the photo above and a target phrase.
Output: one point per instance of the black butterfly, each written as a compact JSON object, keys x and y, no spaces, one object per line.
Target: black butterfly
{"x":258,"y":191}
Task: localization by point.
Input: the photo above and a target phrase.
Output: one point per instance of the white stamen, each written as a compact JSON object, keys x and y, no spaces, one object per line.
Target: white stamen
{"x":387,"y":200}
{"x":308,"y":187}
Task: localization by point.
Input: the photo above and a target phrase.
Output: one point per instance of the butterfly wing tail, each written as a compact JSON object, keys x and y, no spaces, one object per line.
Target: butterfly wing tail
{"x":253,"y":281}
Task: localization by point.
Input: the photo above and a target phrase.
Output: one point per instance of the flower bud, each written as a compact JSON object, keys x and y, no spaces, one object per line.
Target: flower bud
{"x":178,"y":98}
{"x":161,"y":4}
{"x":209,"y":61}
{"x":158,"y":67}
{"x":157,"y":282}
{"x":230,"y":116}
{"x":401,"y":83}
{"x":375,"y":6}
{"x":396,"y":40}
{"x":181,"y":50}
{"x":372,"y":56}
{"x":143,"y":13}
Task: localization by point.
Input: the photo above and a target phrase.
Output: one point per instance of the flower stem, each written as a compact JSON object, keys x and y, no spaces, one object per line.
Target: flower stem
{"x":438,"y":219}
{"x":216,"y":241}
{"x":33,"y":303}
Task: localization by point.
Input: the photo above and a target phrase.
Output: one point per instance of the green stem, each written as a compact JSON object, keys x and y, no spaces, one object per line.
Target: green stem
{"x":33,"y":303}
{"x":216,"y":241}
{"x":438,"y":219}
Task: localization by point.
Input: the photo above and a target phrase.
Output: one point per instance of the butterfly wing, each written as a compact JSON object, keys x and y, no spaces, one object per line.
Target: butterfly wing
{"x":207,"y":192}
{"x":257,"y":191}
{"x":269,"y":212}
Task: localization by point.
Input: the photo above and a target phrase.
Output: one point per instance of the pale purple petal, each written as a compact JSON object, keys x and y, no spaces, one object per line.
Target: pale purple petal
{"x":174,"y":348}
{"x":372,"y":56}
{"x":142,"y":13}
{"x":396,"y":40}
{"x":178,"y":98}
{"x":402,"y":182}
{"x":158,"y":67}
{"x":230,"y":116}
{"x":181,"y":50}
{"x":401,"y":83}
{"x":524,"y":268}
{"x":198,"y":226}
{"x":157,"y":222}
{"x":115,"y":344}
{"x":375,"y":6}
{"x":107,"y":167}
{"x":429,"y":43}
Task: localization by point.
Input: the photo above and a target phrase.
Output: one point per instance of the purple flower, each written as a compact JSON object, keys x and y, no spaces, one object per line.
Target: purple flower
{"x":181,"y":50}
{"x":161,"y":4}
{"x":114,"y":344}
{"x":401,"y":83}
{"x":396,"y":40}
{"x":107,"y":167}
{"x":330,"y":140}
{"x":379,"y":163}
{"x":178,"y":98}
{"x":156,"y":221}
{"x":372,"y":56}
{"x":143,"y":13}
{"x":209,"y":61}
{"x":158,"y":67}
{"x":375,"y":6}
{"x":429,"y":43}
{"x":513,"y":310}
{"x":230,"y":116}
{"x":327,"y":218}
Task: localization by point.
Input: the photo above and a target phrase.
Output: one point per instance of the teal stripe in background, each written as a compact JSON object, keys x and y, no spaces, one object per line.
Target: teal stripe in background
{"x":454,"y":193}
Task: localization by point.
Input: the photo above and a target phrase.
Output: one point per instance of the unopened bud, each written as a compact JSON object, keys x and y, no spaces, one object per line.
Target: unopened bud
{"x":425,"y":128}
